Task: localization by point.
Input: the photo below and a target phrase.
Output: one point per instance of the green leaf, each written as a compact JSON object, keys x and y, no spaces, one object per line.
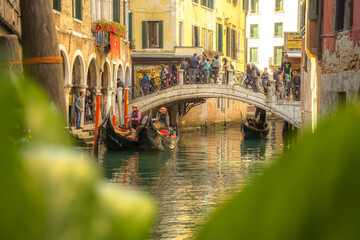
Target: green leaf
{"x":312,"y":192}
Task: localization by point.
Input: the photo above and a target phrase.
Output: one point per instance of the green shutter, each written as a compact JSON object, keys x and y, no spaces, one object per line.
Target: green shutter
{"x":130,"y":26}
{"x":116,"y":11}
{"x":78,"y":9}
{"x":57,"y":5}
{"x":124,"y":13}
{"x":220,"y":38}
{"x":145,"y":34}
{"x":161,"y":33}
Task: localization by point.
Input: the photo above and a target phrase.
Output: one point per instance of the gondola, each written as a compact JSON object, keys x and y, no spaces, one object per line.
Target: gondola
{"x":252,"y":132}
{"x":160,"y":142}
{"x":117,"y":142}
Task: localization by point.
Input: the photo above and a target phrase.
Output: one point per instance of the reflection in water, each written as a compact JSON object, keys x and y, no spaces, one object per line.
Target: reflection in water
{"x":195,"y":178}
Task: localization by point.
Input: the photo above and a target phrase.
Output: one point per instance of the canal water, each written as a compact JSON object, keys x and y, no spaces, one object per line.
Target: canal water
{"x":205,"y":170}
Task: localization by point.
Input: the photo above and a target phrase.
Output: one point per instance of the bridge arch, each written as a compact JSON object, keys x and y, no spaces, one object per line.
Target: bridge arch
{"x":288,"y":111}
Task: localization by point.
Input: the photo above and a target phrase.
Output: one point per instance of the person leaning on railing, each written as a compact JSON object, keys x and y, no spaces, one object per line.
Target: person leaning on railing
{"x":193,"y":66}
{"x":226,"y":67}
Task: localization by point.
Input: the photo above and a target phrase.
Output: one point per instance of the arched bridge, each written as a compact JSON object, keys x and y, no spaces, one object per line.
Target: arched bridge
{"x":287,"y":110}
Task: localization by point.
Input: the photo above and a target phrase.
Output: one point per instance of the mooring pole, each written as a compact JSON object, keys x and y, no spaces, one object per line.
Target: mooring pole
{"x":97,"y":122}
{"x":41,"y":49}
{"x":126,"y":108}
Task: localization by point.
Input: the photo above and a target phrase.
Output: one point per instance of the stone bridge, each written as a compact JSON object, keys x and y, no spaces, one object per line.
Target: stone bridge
{"x":287,"y":110}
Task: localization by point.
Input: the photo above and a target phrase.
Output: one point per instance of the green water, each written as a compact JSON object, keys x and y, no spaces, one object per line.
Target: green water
{"x":188,"y":183}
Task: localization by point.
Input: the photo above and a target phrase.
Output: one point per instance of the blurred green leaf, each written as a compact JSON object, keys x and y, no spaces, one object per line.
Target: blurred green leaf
{"x":312,"y":192}
{"x":50,"y":191}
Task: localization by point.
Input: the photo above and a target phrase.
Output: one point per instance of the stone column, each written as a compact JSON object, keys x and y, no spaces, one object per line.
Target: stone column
{"x":120,"y":105}
{"x":67,"y":90}
{"x":108,"y":100}
{"x":271,"y":96}
{"x":181,"y":76}
{"x":230,"y":76}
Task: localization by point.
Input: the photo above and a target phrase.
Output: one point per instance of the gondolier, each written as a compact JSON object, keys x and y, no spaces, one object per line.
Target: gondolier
{"x":163,"y":117}
{"x":135,"y":117}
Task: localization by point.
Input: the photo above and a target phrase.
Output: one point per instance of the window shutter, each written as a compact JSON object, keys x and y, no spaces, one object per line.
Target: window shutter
{"x":161,"y":33}
{"x":78,"y":9}
{"x":145,"y":40}
{"x":220,"y":38}
{"x":313,"y":9}
{"x":130,"y":26}
{"x":116,"y":11}
{"x":57,"y":5}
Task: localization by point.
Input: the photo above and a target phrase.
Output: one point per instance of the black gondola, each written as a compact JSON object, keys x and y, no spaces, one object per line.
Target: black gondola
{"x":159,"y":141}
{"x":115,"y":142}
{"x":256,"y":129}
{"x":253,"y":132}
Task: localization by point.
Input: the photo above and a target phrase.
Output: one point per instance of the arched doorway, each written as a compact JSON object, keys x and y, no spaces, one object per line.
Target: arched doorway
{"x":91,"y":82}
{"x":127,"y":77}
{"x":105,"y":86}
{"x":77,"y":81}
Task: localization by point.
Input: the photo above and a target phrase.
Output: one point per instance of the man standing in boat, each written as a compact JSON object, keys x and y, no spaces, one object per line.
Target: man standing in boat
{"x":135,"y":117}
{"x":163,"y":117}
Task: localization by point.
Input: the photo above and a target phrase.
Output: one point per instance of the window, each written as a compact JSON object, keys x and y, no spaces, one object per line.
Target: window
{"x":207,"y":39}
{"x":254,"y":6}
{"x":278,"y":5}
{"x":254,"y":31}
{"x":207,"y":3}
{"x":254,"y":55}
{"x":343,"y":15}
{"x":277,"y":55}
{"x":196,"y":1}
{"x":196,"y":36}
{"x":233,"y":44}
{"x":278,"y":30}
{"x":152,"y":34}
{"x":219,"y":37}
{"x":130,"y":26}
{"x":228,"y":42}
{"x":77,"y":9}
{"x":116,"y":11}
{"x":57,"y":5}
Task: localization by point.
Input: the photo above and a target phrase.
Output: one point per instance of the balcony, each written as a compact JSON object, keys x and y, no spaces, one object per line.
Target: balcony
{"x":108,"y":36}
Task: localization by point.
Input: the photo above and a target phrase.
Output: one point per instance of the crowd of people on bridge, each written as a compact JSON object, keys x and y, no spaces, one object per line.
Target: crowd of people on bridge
{"x":200,"y":70}
{"x":287,"y":83}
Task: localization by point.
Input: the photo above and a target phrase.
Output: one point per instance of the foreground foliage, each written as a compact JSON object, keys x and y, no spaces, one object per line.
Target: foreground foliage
{"x":49,"y":191}
{"x":312,"y":192}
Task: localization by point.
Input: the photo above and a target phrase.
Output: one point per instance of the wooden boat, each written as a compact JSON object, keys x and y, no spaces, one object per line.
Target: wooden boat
{"x":159,"y":141}
{"x":115,"y":141}
{"x":253,"y":132}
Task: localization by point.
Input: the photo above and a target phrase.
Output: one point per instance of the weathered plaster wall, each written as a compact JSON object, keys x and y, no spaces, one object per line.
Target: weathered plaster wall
{"x":10,"y":14}
{"x":345,"y":55}
{"x":331,"y":86}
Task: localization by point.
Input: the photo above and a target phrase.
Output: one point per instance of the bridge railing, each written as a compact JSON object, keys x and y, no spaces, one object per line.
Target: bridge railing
{"x":199,"y":76}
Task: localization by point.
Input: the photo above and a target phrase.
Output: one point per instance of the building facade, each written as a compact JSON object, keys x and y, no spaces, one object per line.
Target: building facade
{"x":331,"y":50}
{"x":93,"y":42}
{"x":165,"y":31}
{"x":10,"y":21}
{"x":266,"y":23}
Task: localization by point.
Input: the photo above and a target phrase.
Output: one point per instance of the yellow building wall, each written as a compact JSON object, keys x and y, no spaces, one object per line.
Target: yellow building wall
{"x":160,"y":10}
{"x":172,"y":12}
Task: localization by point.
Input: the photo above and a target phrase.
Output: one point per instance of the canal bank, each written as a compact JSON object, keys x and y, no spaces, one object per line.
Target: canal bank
{"x":188,"y":183}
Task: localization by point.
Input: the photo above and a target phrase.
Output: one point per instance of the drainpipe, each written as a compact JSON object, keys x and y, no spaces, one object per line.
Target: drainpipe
{"x":313,"y":74}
